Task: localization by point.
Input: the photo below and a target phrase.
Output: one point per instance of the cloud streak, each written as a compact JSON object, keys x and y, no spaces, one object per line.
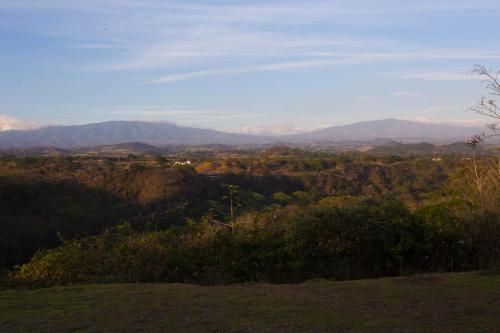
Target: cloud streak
{"x":131,"y":51}
{"x":406,"y":93}
{"x":436,"y":76}
{"x":151,"y":34}
{"x":344,"y":59}
{"x":180,"y":113}
{"x":284,"y":66}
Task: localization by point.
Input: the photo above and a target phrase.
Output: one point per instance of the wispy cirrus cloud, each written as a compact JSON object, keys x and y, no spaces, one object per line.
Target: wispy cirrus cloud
{"x":406,"y":93}
{"x":401,"y":93}
{"x":346,"y":59}
{"x":283,"y":66}
{"x":151,"y":34}
{"x":335,"y":44}
{"x":366,"y":98}
{"x":98,"y":46}
{"x":209,"y":46}
{"x":435,"y":76}
{"x":225,"y":11}
{"x":178,"y":113}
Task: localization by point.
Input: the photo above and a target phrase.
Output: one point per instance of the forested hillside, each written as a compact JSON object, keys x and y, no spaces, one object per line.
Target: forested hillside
{"x":196,"y":218}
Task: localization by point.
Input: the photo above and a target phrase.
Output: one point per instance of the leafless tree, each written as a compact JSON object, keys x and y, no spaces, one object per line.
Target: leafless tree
{"x":488,"y":107}
{"x":232,"y":198}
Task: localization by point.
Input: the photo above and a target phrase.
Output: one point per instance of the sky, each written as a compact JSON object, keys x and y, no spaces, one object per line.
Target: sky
{"x":243,"y":66}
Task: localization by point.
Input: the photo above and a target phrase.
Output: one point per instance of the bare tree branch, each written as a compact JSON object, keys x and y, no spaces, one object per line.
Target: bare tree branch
{"x":486,"y":106}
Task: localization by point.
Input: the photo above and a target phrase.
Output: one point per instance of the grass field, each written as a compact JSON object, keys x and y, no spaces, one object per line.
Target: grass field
{"x":463,"y":302}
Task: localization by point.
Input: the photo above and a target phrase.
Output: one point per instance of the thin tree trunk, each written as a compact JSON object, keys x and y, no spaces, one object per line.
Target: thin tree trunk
{"x":478,"y":180}
{"x":232,"y":214}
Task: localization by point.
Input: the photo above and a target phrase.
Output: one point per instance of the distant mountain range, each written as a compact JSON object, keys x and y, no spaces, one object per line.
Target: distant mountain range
{"x":164,"y":134}
{"x":394,"y":129}
{"x":116,"y":132}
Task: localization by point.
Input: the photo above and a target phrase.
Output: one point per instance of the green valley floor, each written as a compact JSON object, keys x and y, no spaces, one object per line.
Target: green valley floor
{"x":461,"y":302}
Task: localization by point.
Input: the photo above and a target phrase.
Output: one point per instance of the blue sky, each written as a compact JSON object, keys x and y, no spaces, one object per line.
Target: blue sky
{"x":243,"y":65}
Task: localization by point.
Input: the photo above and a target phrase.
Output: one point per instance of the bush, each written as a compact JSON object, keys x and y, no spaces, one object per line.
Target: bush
{"x":308,"y":242}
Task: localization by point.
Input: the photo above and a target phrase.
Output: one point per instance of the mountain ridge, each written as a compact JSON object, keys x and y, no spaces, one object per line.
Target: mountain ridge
{"x":394,"y":129}
{"x":163,"y":133}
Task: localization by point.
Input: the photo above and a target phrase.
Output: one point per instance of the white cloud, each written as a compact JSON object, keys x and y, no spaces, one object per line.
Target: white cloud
{"x":223,"y":38}
{"x":436,"y":76}
{"x":280,"y":128}
{"x":181,"y":40}
{"x":160,"y":111}
{"x":263,"y":12}
{"x":197,"y":113}
{"x":165,"y":34}
{"x":179,"y":114}
{"x":233,"y":45}
{"x":8,"y":122}
{"x":455,"y":122}
{"x":348,"y":59}
{"x":402,"y":93}
{"x":283,"y":66}
{"x":406,"y":93}
{"x":98,"y":46}
{"x":365,"y":98}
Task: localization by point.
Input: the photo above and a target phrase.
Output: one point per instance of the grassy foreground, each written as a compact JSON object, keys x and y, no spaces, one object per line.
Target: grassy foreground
{"x":464,"y":302}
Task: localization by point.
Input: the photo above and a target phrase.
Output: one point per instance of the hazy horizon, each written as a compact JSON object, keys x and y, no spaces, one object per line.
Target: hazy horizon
{"x":255,"y":67}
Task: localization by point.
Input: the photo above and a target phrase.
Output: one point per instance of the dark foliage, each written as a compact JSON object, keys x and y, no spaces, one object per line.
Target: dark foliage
{"x":318,"y":242}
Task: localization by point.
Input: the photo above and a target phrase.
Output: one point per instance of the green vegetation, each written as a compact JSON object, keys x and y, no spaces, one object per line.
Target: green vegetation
{"x":292,"y":246}
{"x":281,"y":215}
{"x":460,"y":302}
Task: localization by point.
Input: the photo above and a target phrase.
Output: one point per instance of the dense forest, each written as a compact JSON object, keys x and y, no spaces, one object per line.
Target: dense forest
{"x":278,"y":215}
